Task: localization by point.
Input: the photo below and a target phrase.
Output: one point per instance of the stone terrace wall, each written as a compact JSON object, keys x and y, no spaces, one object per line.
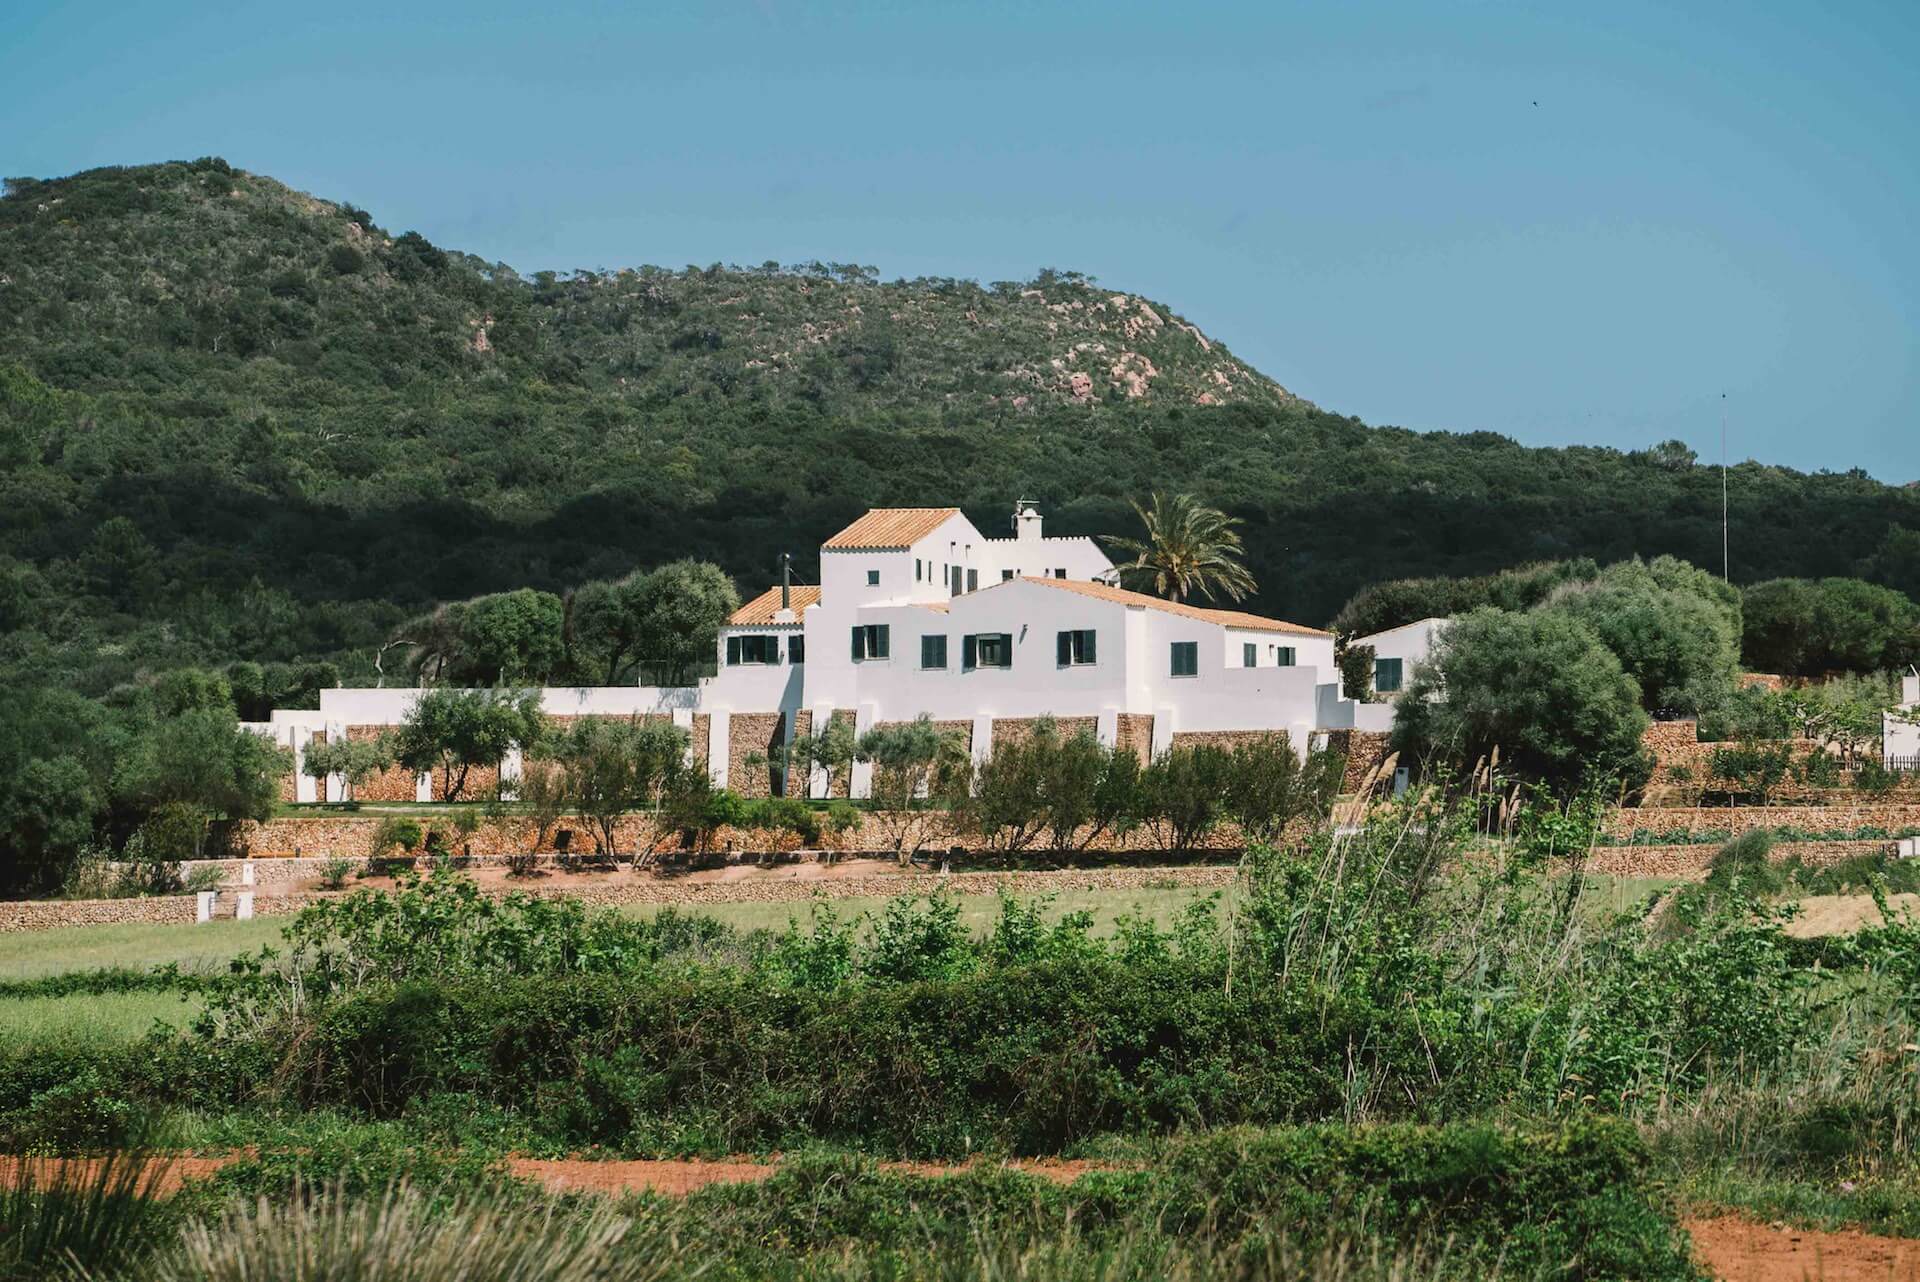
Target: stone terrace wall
{"x":349,"y":836}
{"x":1891,"y":817}
{"x":749,"y":733}
{"x":1693,"y":861}
{"x":1135,"y":730}
{"x":623,"y":889}
{"x":1012,"y":730}
{"x":1364,"y":749}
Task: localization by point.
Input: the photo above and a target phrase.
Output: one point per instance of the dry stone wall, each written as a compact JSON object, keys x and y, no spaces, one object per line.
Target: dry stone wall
{"x":1891,"y":818}
{"x":1016,"y":730}
{"x":1693,"y":861}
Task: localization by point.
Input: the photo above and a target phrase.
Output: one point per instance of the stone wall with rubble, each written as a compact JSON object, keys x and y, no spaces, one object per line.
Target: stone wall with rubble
{"x":1892,"y":818}
{"x":1693,"y":861}
{"x":1683,"y":768}
{"x":350,"y":836}
{"x":1135,"y":730}
{"x":621,"y":889}
{"x":1364,"y":750}
{"x":1014,"y":730}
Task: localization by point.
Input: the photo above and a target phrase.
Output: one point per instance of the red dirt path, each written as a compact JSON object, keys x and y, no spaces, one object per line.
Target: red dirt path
{"x":1741,"y":1251}
{"x":1731,"y":1248}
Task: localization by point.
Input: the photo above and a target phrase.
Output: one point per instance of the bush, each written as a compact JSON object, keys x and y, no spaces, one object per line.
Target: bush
{"x":334,"y":873}
{"x":1876,"y":780}
{"x":394,"y":833}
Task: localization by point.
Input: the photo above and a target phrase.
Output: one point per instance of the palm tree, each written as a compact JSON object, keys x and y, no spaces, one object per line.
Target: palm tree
{"x":1189,"y":548}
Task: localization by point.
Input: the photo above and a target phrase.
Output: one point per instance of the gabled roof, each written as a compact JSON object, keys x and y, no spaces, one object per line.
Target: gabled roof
{"x":1405,"y":627}
{"x":1224,"y":618}
{"x":760,"y":611}
{"x":890,"y":528}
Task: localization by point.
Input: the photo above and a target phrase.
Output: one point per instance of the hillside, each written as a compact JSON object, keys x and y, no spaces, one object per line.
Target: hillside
{"x":237,"y":420}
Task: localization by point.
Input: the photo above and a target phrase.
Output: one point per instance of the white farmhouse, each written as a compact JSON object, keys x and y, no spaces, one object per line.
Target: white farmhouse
{"x":1900,"y":729}
{"x":918,"y":613}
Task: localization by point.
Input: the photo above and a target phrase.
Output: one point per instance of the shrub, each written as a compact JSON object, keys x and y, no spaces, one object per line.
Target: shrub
{"x":393,"y":833}
{"x":334,"y":872}
{"x":1875,"y":779}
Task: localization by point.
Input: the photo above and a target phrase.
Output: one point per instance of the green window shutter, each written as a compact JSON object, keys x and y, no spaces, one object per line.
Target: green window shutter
{"x":1249,"y":655}
{"x":969,"y":653}
{"x":1006,"y":649}
{"x":882,"y":643}
{"x":1088,"y":655}
{"x":1286,"y":656}
{"x":733,"y":650}
{"x":859,"y":644}
{"x":1064,"y":649}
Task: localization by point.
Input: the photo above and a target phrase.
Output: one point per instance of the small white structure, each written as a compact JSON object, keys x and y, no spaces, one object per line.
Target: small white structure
{"x":1900,"y":729}
{"x":243,"y":906}
{"x":1397,"y":651}
{"x":203,"y":902}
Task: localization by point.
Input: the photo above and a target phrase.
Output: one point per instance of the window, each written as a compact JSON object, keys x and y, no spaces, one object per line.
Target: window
{"x":871,"y":641}
{"x":916,"y":569}
{"x":1249,"y":655}
{"x":986,"y":650}
{"x":955,"y":580}
{"x":973,"y":580}
{"x":1386,"y":675}
{"x":933,"y":651}
{"x":796,"y":649}
{"x":1060,"y":574}
{"x":1005,"y":575}
{"x":1186,"y":658}
{"x":1283,"y":656}
{"x":873,"y":578}
{"x":753,"y":649}
{"x":1075,"y":647}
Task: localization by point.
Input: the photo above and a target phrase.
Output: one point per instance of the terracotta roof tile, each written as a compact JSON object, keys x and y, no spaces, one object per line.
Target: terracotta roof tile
{"x":759,"y":611}
{"x":890,"y":527}
{"x":1225,"y":618}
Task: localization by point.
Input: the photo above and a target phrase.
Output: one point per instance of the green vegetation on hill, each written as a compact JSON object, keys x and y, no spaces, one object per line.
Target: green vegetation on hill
{"x":239,"y":422}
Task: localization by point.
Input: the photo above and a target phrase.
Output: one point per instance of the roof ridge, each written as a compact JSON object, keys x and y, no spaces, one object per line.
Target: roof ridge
{"x":1207,"y":614}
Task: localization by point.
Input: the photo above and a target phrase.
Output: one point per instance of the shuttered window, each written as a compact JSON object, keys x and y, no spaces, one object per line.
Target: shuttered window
{"x":753,"y":649}
{"x":1075,"y":647}
{"x":1250,"y":655}
{"x":933,"y":651}
{"x":1386,"y":675}
{"x":1285,"y":655}
{"x":871,"y":641}
{"x":1186,"y":658}
{"x":986,"y":650}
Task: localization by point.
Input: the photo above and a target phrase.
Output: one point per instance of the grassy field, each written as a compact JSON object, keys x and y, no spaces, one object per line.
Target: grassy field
{"x":103,"y":1017}
{"x":31,"y":954}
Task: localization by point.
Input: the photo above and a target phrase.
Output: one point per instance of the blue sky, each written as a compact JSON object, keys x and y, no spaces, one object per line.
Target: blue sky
{"x":1362,"y":199}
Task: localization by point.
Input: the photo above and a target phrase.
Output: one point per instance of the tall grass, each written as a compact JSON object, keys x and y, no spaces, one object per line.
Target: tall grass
{"x":409,"y":1236}
{"x":80,"y":1217}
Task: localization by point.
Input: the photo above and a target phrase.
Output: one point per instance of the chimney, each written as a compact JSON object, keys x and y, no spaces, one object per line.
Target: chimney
{"x":785,"y":613}
{"x":1026,"y":522}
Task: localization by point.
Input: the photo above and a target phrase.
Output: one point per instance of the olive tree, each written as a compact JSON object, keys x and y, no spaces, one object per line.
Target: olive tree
{"x":455,"y":730}
{"x":919,"y":773}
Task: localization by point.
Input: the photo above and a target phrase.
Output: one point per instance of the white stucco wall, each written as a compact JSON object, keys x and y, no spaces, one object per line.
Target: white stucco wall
{"x":1901,"y":737}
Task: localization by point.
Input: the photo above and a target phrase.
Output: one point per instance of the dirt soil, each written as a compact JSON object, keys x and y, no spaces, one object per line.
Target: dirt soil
{"x":1731,"y":1248}
{"x":1844,"y":914}
{"x":676,"y":1177}
{"x":1739,"y":1250}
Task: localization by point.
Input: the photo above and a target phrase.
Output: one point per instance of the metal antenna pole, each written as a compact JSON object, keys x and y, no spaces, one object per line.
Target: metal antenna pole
{"x":1726,"y":563}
